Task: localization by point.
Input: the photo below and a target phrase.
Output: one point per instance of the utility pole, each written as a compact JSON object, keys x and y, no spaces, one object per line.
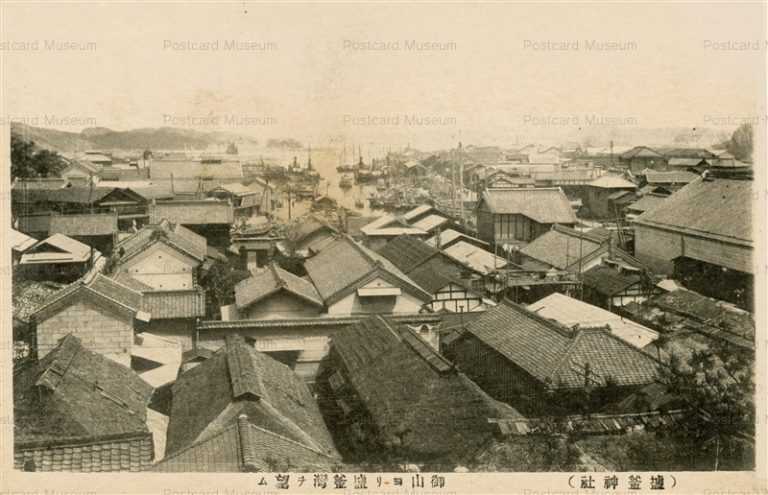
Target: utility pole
{"x":461,"y":185}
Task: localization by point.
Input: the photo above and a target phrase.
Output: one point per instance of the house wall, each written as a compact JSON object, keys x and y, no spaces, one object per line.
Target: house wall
{"x":98,"y":328}
{"x":352,"y":305}
{"x":455,"y":299}
{"x":496,"y":375}
{"x":162,"y":267}
{"x":598,"y":203}
{"x":181,"y":330}
{"x":502,"y":228}
{"x":310,"y":344}
{"x":658,"y":248}
{"x":280,"y":305}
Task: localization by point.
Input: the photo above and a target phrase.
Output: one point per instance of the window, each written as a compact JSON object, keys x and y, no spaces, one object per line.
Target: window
{"x":336,"y":381}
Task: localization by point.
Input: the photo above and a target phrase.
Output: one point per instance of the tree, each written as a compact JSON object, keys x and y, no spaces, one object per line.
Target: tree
{"x":740,"y":144}
{"x":26,"y":162}
{"x":717,"y":387}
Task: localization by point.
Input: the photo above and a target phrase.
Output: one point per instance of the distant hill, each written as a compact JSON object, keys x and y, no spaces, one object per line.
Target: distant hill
{"x":94,"y":138}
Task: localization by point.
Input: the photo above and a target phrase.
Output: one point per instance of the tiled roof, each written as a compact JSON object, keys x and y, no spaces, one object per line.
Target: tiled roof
{"x":671,"y":177}
{"x":557,"y":356}
{"x":169,"y":304}
{"x":245,"y":447}
{"x":79,"y":195}
{"x":415,"y":212}
{"x":270,"y":281}
{"x":407,"y":252}
{"x":562,"y":247}
{"x":358,"y":262}
{"x":108,"y":453}
{"x":543,"y":205}
{"x":475,"y":258}
{"x":120,"y":296}
{"x":87,"y":395}
{"x":612,"y":182}
{"x":84,"y":225}
{"x":719,"y":209}
{"x":436,"y":273}
{"x":647,"y":202}
{"x":389,"y":225}
{"x":402,"y":383}
{"x":570,"y":312}
{"x":687,"y":153}
{"x":57,"y":248}
{"x":448,"y":236}
{"x":238,"y":380}
{"x":609,"y":281}
{"x":309,"y":226}
{"x":178,"y":236}
{"x":192,"y":212}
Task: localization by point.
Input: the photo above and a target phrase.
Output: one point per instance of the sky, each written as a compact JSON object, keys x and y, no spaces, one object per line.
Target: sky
{"x":428,"y":75}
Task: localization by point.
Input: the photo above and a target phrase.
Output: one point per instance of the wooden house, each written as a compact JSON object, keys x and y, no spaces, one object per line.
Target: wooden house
{"x":98,"y":230}
{"x":97,"y":310}
{"x":211,"y":219}
{"x":520,"y":357}
{"x":601,"y":195}
{"x":367,"y":283}
{"x":276,"y":293}
{"x":703,"y":235}
{"x":518,"y":216}
{"x":77,"y":411}
{"x":448,"y":281}
{"x":58,"y":258}
{"x":241,"y":410}
{"x":386,"y":390}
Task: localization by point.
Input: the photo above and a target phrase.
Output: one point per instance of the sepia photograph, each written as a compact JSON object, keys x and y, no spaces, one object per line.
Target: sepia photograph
{"x":379,"y":248}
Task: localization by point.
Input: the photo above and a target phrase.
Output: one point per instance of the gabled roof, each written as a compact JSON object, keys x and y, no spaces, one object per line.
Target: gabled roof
{"x":20,"y":241}
{"x":670,"y":177}
{"x":270,"y":281}
{"x":58,"y":248}
{"x":239,"y":380}
{"x":245,"y":447}
{"x":718,"y":209}
{"x":402,"y":382}
{"x":563,"y":247}
{"x":360,"y":265}
{"x":79,"y":195}
{"x":176,"y":236}
{"x":640,"y":152}
{"x":475,"y":258}
{"x":697,"y":153}
{"x":93,"y":224}
{"x":84,"y":394}
{"x":557,"y":356}
{"x":407,"y":252}
{"x":436,"y":273}
{"x":609,"y":281}
{"x":543,"y":205}
{"x":448,"y":236}
{"x":389,"y":225}
{"x":430,"y":222}
{"x":648,"y":201}
{"x":570,"y":312}
{"x":192,"y":212}
{"x":612,"y":182}
{"x":417,"y":211}
{"x":97,"y":287}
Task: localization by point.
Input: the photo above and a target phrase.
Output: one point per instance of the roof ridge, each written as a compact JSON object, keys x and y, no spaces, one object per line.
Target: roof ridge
{"x":558,"y":327}
{"x":247,"y":454}
{"x":363,"y":251}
